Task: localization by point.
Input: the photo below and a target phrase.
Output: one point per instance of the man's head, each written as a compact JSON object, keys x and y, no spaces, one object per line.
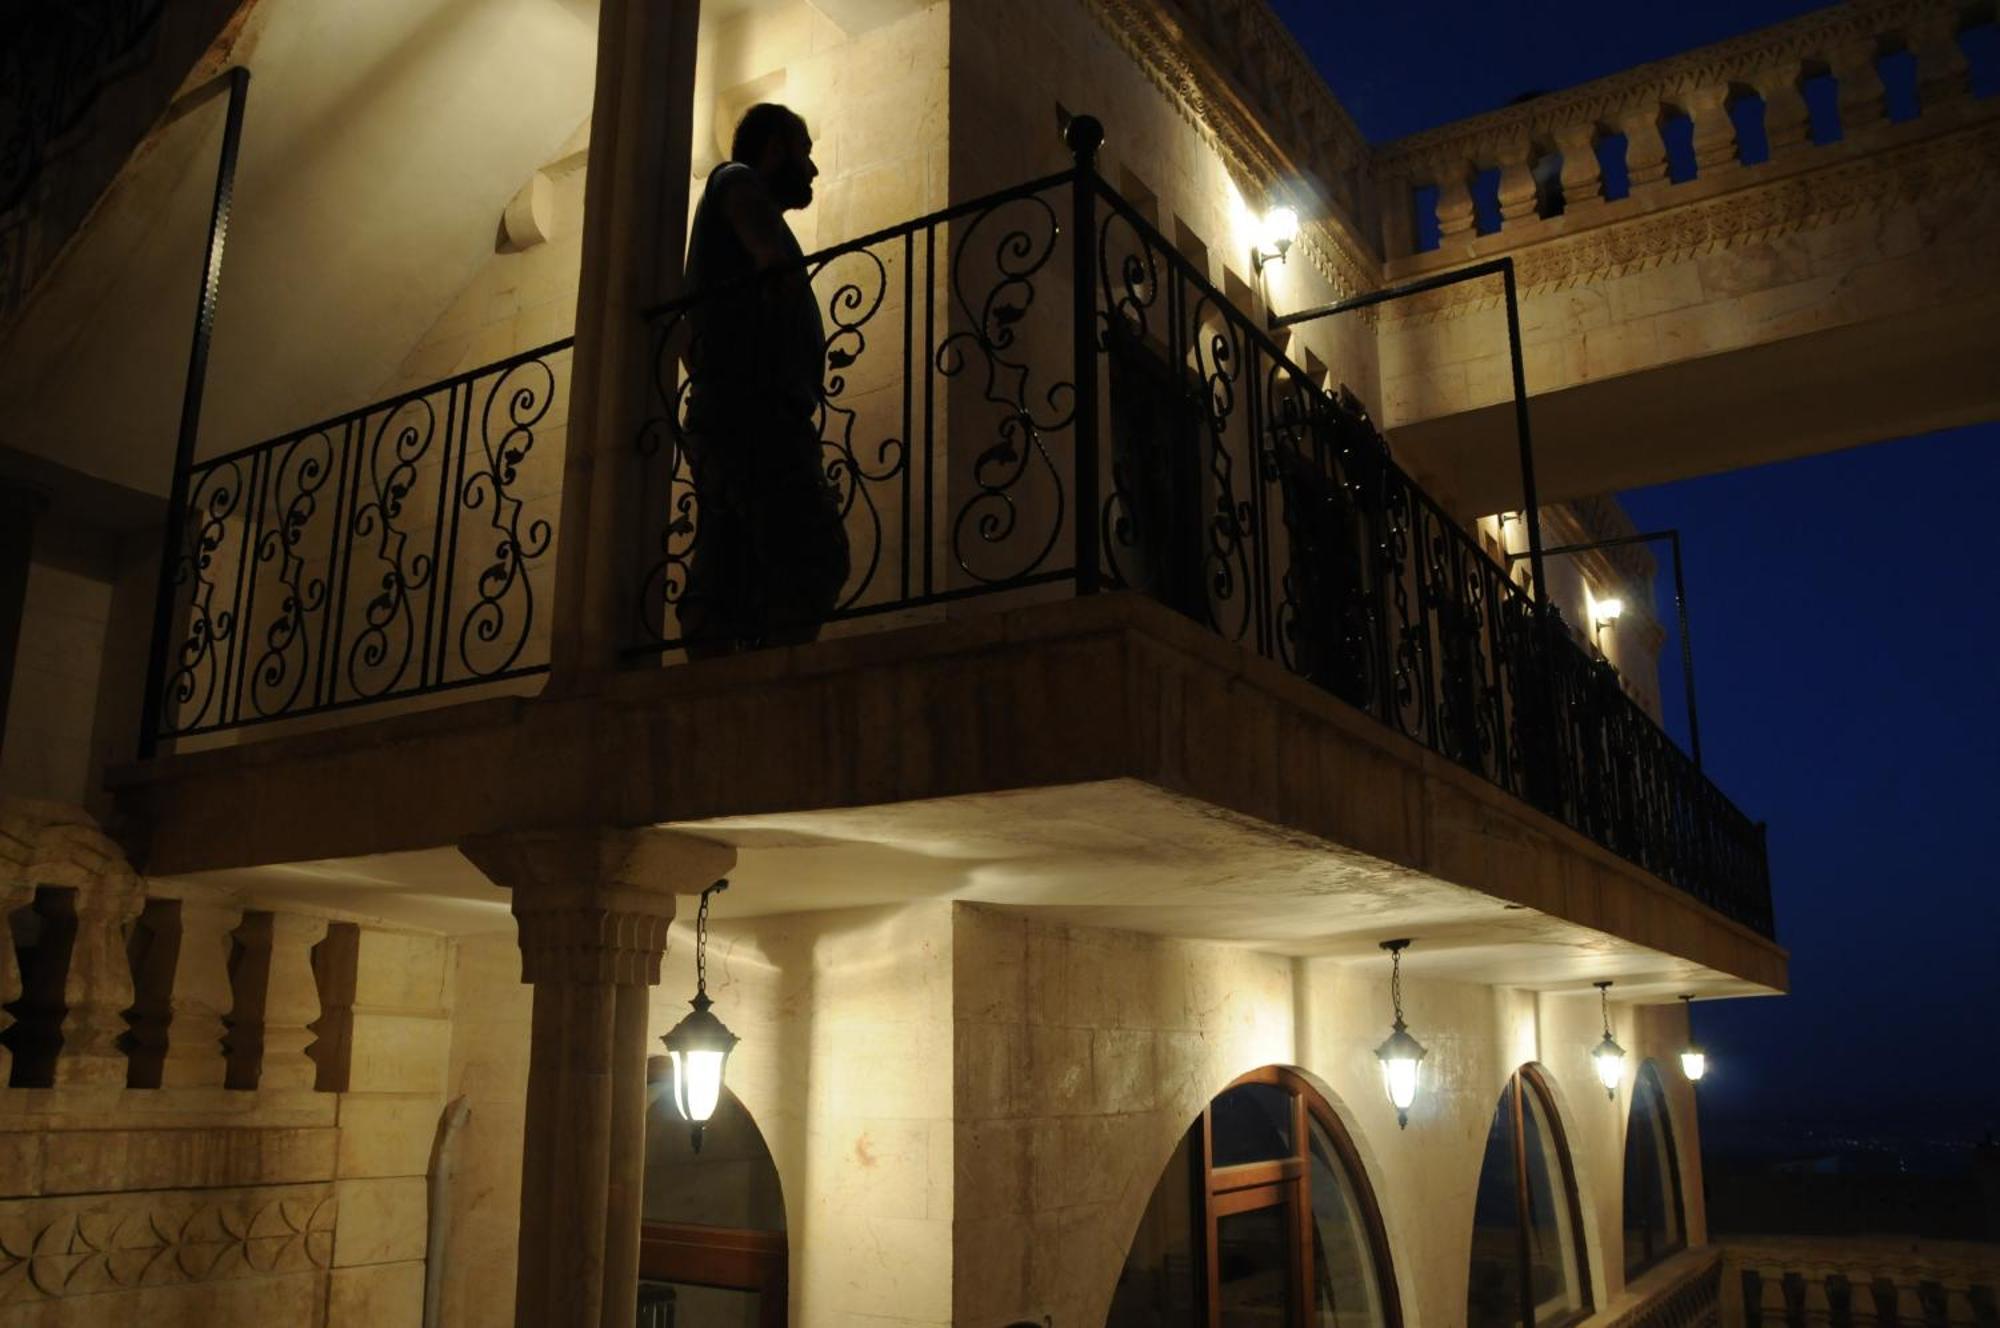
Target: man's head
{"x":773,"y":141}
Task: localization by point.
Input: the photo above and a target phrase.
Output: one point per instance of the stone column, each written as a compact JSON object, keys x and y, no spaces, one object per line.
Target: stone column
{"x":1787,"y":118}
{"x":201,"y":996}
{"x":1857,"y":85}
{"x":1645,"y":153}
{"x":634,"y":229}
{"x":1714,"y":131}
{"x":1582,"y":177}
{"x":593,"y":908}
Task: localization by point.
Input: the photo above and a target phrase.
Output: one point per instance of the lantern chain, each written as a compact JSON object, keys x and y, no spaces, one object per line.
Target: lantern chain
{"x":701,"y":938}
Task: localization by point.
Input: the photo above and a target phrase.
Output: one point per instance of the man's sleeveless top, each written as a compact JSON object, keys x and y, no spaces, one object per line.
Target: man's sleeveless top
{"x":757,"y":342}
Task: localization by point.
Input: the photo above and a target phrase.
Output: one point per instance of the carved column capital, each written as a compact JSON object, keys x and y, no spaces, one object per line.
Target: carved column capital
{"x":595,"y":905}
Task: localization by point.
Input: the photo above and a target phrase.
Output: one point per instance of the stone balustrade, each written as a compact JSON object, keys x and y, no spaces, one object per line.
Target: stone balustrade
{"x":203,"y":994}
{"x":1620,"y":145}
{"x":1825,"y":1282}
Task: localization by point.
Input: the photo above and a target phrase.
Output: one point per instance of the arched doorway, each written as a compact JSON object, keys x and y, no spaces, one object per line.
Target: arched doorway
{"x":1528,"y":1264}
{"x":1654,"y":1223}
{"x":1263,"y":1216}
{"x":712,"y":1250}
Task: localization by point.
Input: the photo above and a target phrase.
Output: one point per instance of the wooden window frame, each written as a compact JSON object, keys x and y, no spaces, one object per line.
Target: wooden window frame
{"x":1284,"y":1183}
{"x":1673,"y":1166}
{"x":1529,"y":1079}
{"x":726,"y":1258}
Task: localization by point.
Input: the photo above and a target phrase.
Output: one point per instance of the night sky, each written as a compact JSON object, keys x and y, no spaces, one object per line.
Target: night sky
{"x":1847,"y":655}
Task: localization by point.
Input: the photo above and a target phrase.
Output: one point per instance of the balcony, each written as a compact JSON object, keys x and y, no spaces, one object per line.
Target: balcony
{"x":1028,"y":397}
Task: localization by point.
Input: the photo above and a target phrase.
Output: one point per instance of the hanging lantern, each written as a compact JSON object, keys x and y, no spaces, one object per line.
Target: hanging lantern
{"x":1609,"y":1056}
{"x":1399,"y":1053}
{"x":699,"y":1045}
{"x":1694,"y":1061}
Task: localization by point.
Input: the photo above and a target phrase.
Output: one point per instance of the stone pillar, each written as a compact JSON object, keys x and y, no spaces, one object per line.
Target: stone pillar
{"x":1714,"y":131}
{"x":1454,"y":206}
{"x":634,"y":229}
{"x":1517,"y":183}
{"x":593,"y":908}
{"x":1943,"y":72}
{"x":1858,"y":85}
{"x":1787,"y":118}
{"x":200,"y":996}
{"x":1582,"y":177}
{"x":1645,"y":153}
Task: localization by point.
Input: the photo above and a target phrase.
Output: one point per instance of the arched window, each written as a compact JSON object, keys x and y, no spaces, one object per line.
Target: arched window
{"x":1654,"y":1225}
{"x":1528,"y":1267}
{"x":1263,"y":1215}
{"x":712,"y":1236}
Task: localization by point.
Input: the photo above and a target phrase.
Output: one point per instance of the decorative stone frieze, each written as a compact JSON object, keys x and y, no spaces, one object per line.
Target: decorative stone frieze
{"x":1962,"y":162}
{"x":60,"y":1248}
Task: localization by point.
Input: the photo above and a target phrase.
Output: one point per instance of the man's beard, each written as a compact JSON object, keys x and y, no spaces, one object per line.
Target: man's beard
{"x":791,"y":186}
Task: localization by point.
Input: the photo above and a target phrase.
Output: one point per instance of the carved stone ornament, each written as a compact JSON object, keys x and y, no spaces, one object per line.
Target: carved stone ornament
{"x":51,"y":1248}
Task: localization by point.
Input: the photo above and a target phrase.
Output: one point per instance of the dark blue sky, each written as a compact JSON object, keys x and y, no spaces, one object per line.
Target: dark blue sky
{"x":1847,"y":648}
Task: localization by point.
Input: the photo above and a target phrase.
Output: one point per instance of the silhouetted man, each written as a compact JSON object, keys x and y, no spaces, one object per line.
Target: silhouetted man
{"x":770,"y":552}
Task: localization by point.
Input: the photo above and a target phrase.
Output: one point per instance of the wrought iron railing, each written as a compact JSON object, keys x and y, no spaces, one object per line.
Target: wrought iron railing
{"x":1034,"y":388}
{"x":395,"y":550}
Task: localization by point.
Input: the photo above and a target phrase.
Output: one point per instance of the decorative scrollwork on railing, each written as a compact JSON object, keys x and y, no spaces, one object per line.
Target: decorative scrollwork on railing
{"x":323,"y":568}
{"x":856,"y":283}
{"x":496,"y":628}
{"x":993,"y":289}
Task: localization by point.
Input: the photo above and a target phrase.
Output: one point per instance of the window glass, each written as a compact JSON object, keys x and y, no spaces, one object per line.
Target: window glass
{"x":1551,"y":1248}
{"x":1653,"y":1224}
{"x":1251,"y":1123}
{"x":1253,"y":1267}
{"x":1157,"y":1286}
{"x":1493,"y":1296}
{"x":1344,"y":1291}
{"x":1526,"y":1265}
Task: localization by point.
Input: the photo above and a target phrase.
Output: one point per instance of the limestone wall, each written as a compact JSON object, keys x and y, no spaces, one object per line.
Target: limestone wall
{"x":1084,"y":1054}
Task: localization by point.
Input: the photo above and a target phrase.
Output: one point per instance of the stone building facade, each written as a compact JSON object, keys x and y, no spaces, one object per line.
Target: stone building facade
{"x":1185,"y":660}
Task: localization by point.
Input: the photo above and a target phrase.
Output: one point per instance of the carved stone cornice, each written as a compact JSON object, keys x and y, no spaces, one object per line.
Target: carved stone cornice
{"x":1812,"y":37}
{"x":1961,"y":161}
{"x":1236,"y":75}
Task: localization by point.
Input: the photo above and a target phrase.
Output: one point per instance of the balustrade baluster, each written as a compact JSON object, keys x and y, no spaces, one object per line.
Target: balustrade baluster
{"x":291,"y":1003}
{"x":200,"y":997}
{"x":12,"y":897}
{"x":1645,"y":151}
{"x":1787,"y":117}
{"x":1943,"y":71}
{"x":1858,"y":85}
{"x":1582,"y":177}
{"x":1517,"y":183}
{"x":1454,"y":205}
{"x":97,"y":989}
{"x":1714,"y":130}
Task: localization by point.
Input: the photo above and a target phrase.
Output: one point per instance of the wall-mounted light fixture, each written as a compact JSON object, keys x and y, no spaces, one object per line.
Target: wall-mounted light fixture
{"x":1275,"y":236}
{"x":1399,"y":1053}
{"x":1604,"y":612}
{"x":1609,"y":1057}
{"x":699,"y":1044}
{"x":1694,"y":1061}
